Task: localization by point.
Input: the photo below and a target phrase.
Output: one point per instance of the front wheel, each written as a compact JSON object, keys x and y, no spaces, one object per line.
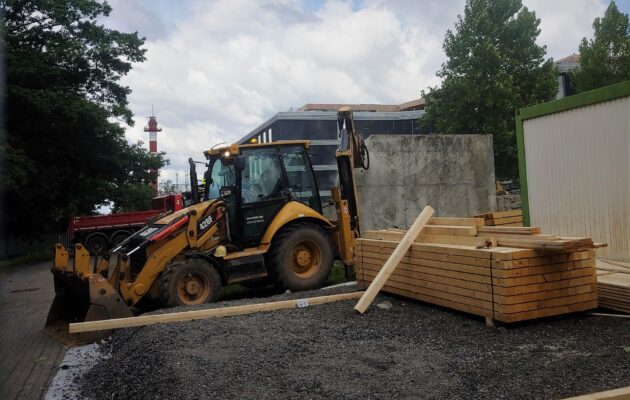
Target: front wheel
{"x":302,"y":257}
{"x":190,"y":282}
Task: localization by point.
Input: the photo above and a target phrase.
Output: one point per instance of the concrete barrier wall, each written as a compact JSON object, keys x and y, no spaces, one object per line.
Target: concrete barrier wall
{"x":454,"y":174}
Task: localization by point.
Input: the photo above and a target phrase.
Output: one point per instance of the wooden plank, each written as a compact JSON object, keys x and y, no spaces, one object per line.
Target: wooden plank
{"x":543,"y":260}
{"x":376,"y":285}
{"x":447,"y":266}
{"x":542,"y":269}
{"x":209,"y":313}
{"x":396,"y":236}
{"x":520,"y":235}
{"x":451,"y":249}
{"x":549,"y":294}
{"x":546,"y":303}
{"x":538,"y":243}
{"x":458,"y":240}
{"x":440,"y":302}
{"x":436,"y":271}
{"x":456,"y":221}
{"x":420,"y":283}
{"x":541,"y":287}
{"x":375,"y":252}
{"x":534,"y":230}
{"x":500,"y":214}
{"x":546,"y":312}
{"x":615,"y":394}
{"x":463,"y":280}
{"x":544,"y":278}
{"x":502,"y":221}
{"x":429,"y":277}
{"x":513,"y":253}
{"x":449,"y":230}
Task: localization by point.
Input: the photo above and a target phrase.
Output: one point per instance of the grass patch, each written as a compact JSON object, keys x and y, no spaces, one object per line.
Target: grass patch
{"x":337,"y":274}
{"x":33,"y":256}
{"x":232,"y":291}
{"x":236,"y":291}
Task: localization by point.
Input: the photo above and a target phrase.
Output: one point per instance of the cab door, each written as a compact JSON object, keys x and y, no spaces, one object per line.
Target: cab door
{"x":262,"y":192}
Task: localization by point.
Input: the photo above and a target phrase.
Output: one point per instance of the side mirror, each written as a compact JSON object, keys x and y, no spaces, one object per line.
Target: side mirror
{"x":239,"y":163}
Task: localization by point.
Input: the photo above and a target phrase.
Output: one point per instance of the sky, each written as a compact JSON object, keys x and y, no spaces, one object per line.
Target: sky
{"x":215,"y":70}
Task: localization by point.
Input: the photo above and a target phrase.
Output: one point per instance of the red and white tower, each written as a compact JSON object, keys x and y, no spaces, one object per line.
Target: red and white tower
{"x":153,"y":129}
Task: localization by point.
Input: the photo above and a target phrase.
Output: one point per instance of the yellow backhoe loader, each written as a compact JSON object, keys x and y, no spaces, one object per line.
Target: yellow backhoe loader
{"x":260,"y":221}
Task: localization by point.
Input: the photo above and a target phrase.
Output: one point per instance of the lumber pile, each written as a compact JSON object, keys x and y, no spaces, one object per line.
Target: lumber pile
{"x":502,"y":218}
{"x":506,"y":274}
{"x":613,"y":285}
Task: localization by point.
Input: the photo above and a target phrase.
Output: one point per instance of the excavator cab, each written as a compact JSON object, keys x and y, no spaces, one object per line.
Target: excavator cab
{"x":257,"y":183}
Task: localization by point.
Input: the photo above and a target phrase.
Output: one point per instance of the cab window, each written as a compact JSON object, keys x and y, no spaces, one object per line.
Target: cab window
{"x":221,"y":175}
{"x":262,"y":176}
{"x":300,"y":179}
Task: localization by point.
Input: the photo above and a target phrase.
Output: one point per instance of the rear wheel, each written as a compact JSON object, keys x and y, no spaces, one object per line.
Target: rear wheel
{"x":97,"y":244}
{"x":119,"y":237}
{"x":302,"y":257}
{"x":193,"y":281}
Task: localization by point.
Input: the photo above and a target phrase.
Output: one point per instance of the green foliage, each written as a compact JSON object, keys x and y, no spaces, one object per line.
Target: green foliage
{"x":605,"y":59}
{"x":65,"y":147}
{"x":494,"y":67}
{"x":167,"y":187}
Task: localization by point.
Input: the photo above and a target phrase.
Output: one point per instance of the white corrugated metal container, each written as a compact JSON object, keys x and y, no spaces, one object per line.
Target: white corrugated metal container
{"x":574,"y":157}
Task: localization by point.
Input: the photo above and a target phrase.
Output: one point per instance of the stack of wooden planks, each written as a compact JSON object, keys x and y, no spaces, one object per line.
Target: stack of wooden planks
{"x":613,"y":285}
{"x":502,"y":218}
{"x":506,"y":274}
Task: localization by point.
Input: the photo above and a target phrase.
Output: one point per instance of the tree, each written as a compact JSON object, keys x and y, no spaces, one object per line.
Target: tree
{"x":167,"y":187}
{"x":605,"y":59}
{"x":493,"y":68}
{"x":65,"y":144}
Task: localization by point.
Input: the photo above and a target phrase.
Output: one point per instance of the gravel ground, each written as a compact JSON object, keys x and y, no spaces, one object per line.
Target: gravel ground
{"x":411,"y":350}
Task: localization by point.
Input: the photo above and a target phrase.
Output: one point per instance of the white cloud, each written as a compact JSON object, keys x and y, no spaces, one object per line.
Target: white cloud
{"x":229,"y":65}
{"x":564,"y":23}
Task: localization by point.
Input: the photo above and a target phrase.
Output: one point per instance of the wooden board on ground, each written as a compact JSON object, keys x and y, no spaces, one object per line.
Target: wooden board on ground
{"x":208,"y":313}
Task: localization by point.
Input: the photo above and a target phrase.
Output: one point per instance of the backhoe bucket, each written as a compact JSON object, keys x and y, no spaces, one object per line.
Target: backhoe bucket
{"x":82,"y":297}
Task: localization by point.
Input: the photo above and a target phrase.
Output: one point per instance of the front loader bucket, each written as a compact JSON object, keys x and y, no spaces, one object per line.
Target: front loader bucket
{"x":80,"y":298}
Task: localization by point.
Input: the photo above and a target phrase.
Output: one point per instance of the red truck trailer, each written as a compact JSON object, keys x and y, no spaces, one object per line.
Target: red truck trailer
{"x":99,"y":233}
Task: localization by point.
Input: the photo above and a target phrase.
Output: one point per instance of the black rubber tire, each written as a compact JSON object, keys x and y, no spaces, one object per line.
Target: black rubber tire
{"x":119,"y":237}
{"x":173,"y":273}
{"x":97,"y":244}
{"x":281,"y":254}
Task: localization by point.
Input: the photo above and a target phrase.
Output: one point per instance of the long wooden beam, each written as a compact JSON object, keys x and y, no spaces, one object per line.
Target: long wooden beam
{"x":209,"y":313}
{"x":615,"y":394}
{"x":393,"y":260}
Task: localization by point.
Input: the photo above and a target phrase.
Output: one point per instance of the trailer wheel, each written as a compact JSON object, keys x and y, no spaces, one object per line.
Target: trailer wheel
{"x":96,"y":243}
{"x":194,"y":281}
{"x":119,"y":236}
{"x":302,"y":257}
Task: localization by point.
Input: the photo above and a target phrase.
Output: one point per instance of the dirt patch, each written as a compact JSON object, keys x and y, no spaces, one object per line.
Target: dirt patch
{"x":411,"y":350}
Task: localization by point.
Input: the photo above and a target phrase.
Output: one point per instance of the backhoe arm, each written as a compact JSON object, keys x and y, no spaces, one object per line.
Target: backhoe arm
{"x":351,"y":154}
